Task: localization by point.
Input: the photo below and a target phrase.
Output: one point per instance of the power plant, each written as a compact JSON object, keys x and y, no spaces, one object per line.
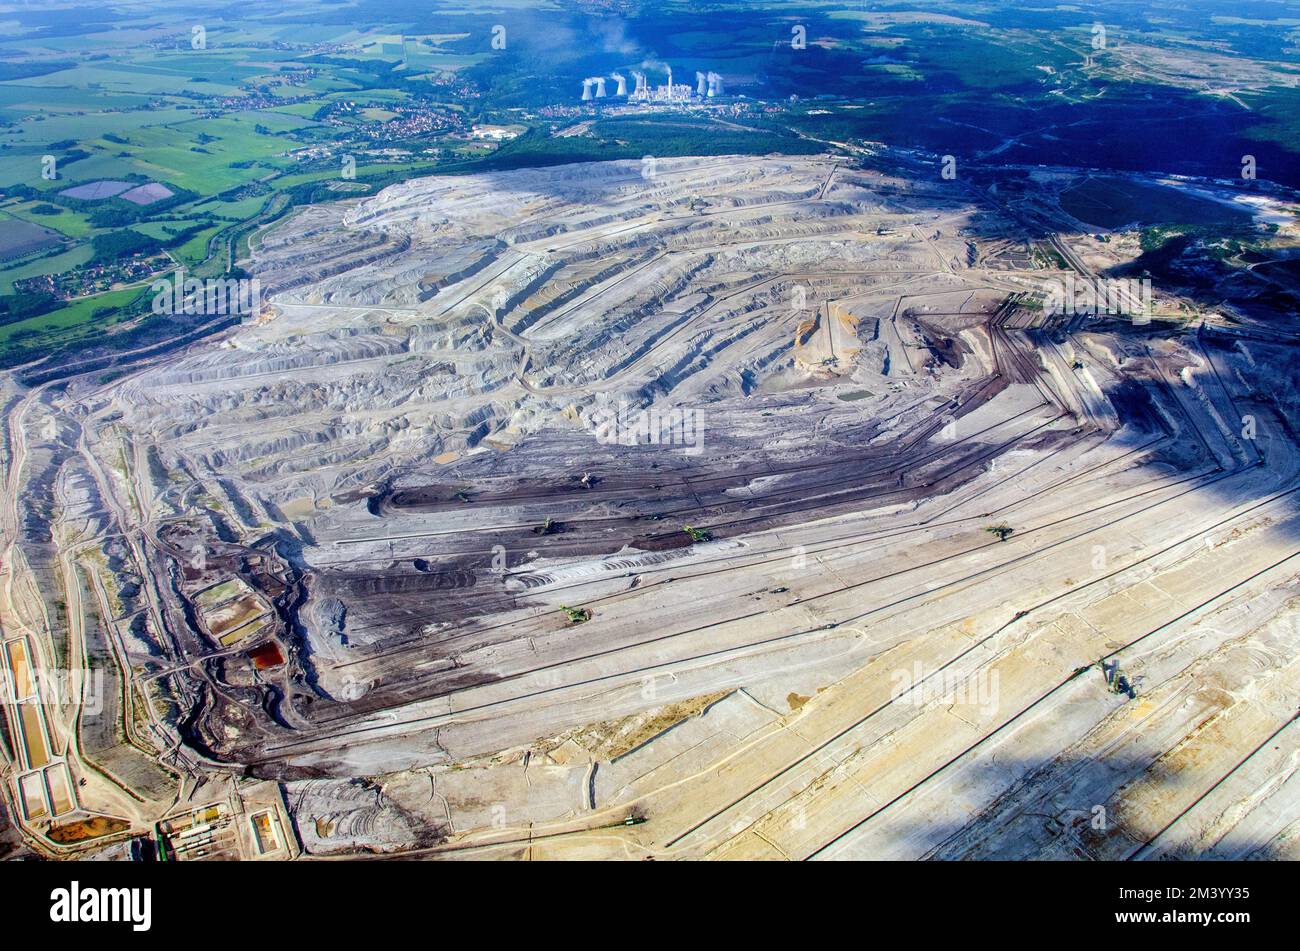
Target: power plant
{"x":598,"y":84}
{"x":707,"y":85}
{"x":669,"y":92}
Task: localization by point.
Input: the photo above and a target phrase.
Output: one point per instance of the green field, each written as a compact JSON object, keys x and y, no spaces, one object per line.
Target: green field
{"x":1113,"y":202}
{"x":61,"y":327}
{"x":70,"y":223}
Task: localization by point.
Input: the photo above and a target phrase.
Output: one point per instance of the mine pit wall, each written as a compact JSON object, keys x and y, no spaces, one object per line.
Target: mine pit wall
{"x":106,"y":738}
{"x":529,"y":318}
{"x":38,"y":376}
{"x":361,"y":344}
{"x":37,"y":511}
{"x":394,"y":585}
{"x":431,"y":288}
{"x":535,"y":283}
{"x":302,"y":223}
{"x":674,"y":375}
{"x":381,"y":247}
{"x":212,"y":702}
{"x":11,"y":397}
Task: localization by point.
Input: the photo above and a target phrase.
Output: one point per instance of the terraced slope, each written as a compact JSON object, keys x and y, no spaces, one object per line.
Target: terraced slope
{"x":757,"y":499}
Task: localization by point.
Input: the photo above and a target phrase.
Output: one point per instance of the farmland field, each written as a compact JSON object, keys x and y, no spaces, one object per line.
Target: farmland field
{"x":1110,"y":203}
{"x":19,"y":238}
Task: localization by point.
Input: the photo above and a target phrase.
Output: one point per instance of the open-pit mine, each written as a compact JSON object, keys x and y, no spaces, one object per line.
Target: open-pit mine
{"x":690,"y":508}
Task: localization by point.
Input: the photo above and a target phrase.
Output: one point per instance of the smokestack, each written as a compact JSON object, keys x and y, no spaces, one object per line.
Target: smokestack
{"x":600,"y":87}
{"x":700,"y":81}
{"x":586,"y":89}
{"x":622,"y":84}
{"x":670,"y":77}
{"x":715,"y":84}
